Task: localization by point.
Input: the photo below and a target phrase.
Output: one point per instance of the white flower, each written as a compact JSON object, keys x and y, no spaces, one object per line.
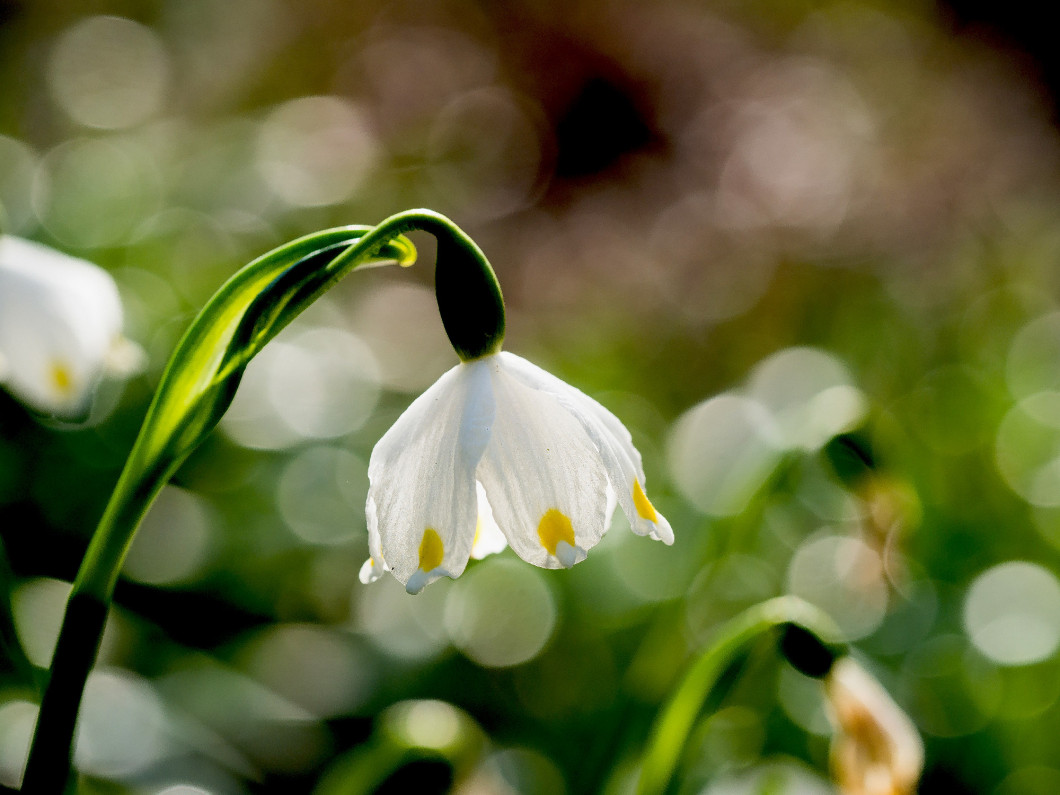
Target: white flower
{"x":497,"y":449}
{"x":877,"y":749}
{"x":60,"y":327}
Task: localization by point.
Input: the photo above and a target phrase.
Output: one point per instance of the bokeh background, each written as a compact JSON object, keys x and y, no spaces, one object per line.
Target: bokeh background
{"x":806,"y":251}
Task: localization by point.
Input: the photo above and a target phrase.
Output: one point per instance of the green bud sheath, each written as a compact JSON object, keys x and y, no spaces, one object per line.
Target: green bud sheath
{"x":469,"y":297}
{"x":808,"y":654}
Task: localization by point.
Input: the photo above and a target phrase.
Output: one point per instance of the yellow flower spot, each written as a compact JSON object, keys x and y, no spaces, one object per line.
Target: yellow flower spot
{"x":643,"y":504}
{"x":61,"y":377}
{"x":553,"y":528}
{"x":431,"y":550}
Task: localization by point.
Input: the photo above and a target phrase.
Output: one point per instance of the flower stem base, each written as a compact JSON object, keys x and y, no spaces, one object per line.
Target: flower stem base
{"x":48,"y":767}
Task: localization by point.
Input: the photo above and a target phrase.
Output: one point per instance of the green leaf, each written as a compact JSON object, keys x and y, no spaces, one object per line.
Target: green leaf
{"x":196,"y":388}
{"x":201,"y":378}
{"x":255,"y":305}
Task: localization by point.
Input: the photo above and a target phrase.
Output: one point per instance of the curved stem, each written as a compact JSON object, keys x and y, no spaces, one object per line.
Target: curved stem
{"x":675,"y":721}
{"x":154,"y":457}
{"x":48,"y":768}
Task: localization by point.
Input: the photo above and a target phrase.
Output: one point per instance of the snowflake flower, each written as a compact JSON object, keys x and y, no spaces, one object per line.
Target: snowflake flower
{"x":60,"y":328}
{"x":496,"y":451}
{"x":877,"y":750}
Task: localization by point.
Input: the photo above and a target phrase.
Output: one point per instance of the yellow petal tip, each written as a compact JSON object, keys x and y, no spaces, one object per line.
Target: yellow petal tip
{"x":554,"y":527}
{"x":62,"y":379}
{"x":432,"y":550}
{"x":643,"y":505}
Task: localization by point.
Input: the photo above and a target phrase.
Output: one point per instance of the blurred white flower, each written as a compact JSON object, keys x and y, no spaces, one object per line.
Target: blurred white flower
{"x":499,"y":449}
{"x":60,"y":328}
{"x":877,"y":749}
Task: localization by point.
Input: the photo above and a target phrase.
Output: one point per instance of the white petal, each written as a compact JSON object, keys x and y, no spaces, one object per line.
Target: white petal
{"x":620,"y":458}
{"x":370,"y":571}
{"x":422,"y":507}
{"x":59,"y":317}
{"x":375,"y":566}
{"x":488,"y":536}
{"x":542,"y":473}
{"x":568,"y":555}
{"x":124,"y":357}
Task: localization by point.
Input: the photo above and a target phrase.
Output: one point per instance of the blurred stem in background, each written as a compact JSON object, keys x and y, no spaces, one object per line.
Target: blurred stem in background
{"x":875,"y":746}
{"x":804,"y":631}
{"x":196,"y":388}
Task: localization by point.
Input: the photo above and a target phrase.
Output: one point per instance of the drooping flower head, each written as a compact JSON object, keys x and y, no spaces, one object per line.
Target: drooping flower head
{"x":877,"y":749}
{"x":60,"y":328}
{"x":496,"y":451}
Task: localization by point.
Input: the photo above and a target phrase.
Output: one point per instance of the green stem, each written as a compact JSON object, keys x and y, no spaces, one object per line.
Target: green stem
{"x":156,"y":455}
{"x":75,"y":654}
{"x":678,"y":716}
